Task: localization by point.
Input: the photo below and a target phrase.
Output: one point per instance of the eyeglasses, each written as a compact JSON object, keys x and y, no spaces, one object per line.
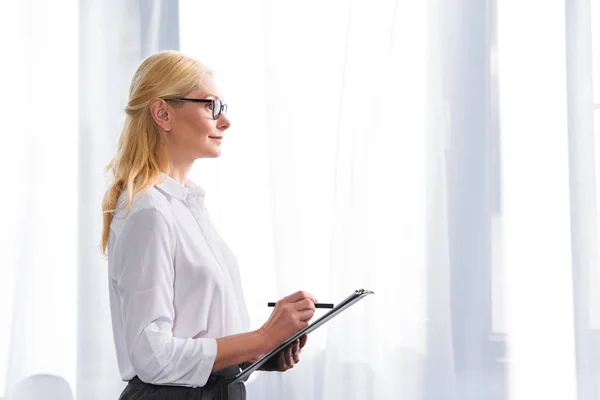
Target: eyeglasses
{"x":217,"y":105}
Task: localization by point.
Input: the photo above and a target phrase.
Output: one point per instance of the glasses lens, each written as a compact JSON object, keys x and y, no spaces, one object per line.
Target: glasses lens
{"x":216,"y":108}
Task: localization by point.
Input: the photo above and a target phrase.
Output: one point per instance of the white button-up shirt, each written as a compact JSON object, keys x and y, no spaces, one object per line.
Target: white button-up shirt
{"x":174,"y":287}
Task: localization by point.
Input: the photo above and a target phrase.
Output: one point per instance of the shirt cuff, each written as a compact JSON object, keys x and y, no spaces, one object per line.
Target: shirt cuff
{"x":209,"y":355}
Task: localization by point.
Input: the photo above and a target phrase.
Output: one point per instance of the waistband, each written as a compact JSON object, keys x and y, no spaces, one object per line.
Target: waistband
{"x":215,"y":377}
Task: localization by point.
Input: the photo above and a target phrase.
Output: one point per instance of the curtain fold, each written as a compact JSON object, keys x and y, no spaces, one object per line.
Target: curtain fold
{"x":583,"y":196}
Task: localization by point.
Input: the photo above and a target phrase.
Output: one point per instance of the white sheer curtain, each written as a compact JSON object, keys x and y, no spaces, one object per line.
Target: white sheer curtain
{"x":64,"y":62}
{"x":420,"y":150}
{"x":583,"y":67}
{"x":38,"y":157}
{"x":441,"y":153}
{"x":328,"y":178}
{"x":535,"y":200}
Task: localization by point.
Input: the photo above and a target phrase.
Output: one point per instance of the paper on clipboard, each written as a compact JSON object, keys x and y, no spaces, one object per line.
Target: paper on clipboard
{"x":343,"y":305}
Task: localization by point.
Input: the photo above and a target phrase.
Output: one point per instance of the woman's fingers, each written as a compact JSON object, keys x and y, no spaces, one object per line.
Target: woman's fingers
{"x":303,"y":340}
{"x":305,"y":315}
{"x":282,"y":360}
{"x":296,"y":351}
{"x":289,"y":357}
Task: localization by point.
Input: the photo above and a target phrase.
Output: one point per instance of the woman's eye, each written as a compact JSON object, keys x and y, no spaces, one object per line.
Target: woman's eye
{"x":209,"y":106}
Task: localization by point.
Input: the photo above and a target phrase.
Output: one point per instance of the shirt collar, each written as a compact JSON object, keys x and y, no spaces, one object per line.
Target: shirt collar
{"x":181,"y":192}
{"x":198,"y":192}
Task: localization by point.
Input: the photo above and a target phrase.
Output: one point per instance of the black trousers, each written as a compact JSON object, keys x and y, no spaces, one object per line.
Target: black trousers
{"x":215,"y":389}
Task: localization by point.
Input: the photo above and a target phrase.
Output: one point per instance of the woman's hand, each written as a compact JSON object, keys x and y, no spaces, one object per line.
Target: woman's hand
{"x":290,"y":315}
{"x":286,"y":358}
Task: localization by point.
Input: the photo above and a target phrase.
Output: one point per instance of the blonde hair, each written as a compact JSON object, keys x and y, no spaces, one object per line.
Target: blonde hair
{"x":141,"y":155}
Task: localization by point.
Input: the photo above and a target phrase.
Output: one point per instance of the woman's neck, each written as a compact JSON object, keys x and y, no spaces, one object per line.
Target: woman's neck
{"x":179,"y":172}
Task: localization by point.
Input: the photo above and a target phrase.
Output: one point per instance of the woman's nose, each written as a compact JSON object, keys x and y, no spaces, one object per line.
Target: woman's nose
{"x":223,"y":122}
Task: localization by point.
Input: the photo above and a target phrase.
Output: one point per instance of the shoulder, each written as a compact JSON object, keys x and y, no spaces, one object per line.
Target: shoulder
{"x":150,"y":207}
{"x":141,"y":237}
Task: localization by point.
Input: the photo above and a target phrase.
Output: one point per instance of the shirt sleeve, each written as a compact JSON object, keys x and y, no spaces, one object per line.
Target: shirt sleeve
{"x":145,"y":253}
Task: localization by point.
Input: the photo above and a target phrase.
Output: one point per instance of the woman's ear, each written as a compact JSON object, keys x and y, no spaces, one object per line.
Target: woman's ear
{"x":160,"y":112}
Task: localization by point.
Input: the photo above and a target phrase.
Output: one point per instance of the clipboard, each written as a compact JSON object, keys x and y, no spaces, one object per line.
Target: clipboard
{"x":343,"y":305}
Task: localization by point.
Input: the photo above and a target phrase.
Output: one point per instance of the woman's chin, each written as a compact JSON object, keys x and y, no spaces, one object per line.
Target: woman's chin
{"x":216,"y":153}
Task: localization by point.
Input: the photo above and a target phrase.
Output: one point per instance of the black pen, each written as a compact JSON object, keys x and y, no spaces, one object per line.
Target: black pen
{"x":318,"y":305}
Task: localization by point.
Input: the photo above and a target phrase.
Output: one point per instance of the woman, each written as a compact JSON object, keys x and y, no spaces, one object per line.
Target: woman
{"x":177,"y":305}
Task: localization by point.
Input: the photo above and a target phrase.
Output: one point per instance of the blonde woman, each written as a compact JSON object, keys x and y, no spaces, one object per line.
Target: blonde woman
{"x":178,"y":312}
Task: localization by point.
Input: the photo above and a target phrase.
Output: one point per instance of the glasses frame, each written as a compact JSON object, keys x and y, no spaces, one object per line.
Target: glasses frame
{"x":216,"y":110}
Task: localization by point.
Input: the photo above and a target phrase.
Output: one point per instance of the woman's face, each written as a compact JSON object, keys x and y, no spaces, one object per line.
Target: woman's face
{"x":191,"y":132}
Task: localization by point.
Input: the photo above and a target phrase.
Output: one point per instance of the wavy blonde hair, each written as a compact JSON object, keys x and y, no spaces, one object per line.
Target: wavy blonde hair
{"x":141,"y":155}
